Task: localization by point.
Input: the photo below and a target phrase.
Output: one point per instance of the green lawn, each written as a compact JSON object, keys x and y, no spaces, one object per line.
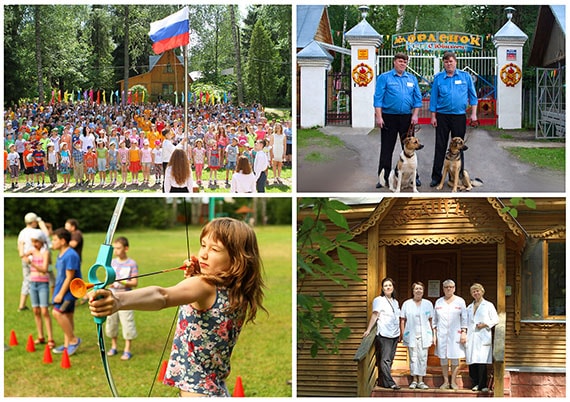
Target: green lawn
{"x":262,"y":357}
{"x":550,"y":158}
{"x":219,"y":187}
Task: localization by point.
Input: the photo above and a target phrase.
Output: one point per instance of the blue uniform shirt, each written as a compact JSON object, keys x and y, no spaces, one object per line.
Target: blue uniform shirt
{"x":450,"y":95}
{"x":397,"y":94}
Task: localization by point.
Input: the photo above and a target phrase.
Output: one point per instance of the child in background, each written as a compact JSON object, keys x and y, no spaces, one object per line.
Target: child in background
{"x":232,"y":152}
{"x":213,"y":161}
{"x":124,"y":161}
{"x":68,"y":267}
{"x":157,"y":159}
{"x":146,"y":161}
{"x":223,"y":289}
{"x":39,"y":289}
{"x":134,"y":162}
{"x":65,"y":164}
{"x":90,"y":163}
{"x":77,"y":163}
{"x":14,"y":165}
{"x":39,"y":161}
{"x":113,"y":162}
{"x":199,"y":156}
{"x":102,"y":160}
{"x":124,"y":267}
{"x":51,"y":159}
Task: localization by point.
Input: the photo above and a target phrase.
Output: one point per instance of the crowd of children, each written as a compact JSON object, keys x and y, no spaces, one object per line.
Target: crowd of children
{"x":108,"y":146}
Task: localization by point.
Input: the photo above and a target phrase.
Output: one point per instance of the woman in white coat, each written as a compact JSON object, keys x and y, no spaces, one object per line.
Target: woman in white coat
{"x":481,"y":317}
{"x":450,"y":328}
{"x":386,"y":315}
{"x":417,"y":333}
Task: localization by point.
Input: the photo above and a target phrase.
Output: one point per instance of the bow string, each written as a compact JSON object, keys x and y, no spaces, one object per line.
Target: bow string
{"x":103,"y":264}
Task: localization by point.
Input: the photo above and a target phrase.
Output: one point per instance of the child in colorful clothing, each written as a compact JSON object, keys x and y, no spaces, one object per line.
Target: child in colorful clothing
{"x":113,"y":162}
{"x":124,"y":267}
{"x":77,"y":163}
{"x":39,"y":161}
{"x":65,"y":164}
{"x":232,"y":152}
{"x":52,"y":163}
{"x":102,"y":160}
{"x":199,"y":156}
{"x":14,"y":165}
{"x":90,"y":161}
{"x":213,"y":160}
{"x":214,"y":304}
{"x":134,"y":162}
{"x":124,"y":161}
{"x":157,"y":158}
{"x":39,"y":288}
{"x":146,"y":161}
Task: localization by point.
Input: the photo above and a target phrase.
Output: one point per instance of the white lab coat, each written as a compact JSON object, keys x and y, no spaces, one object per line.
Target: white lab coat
{"x":479,"y":346}
{"x":417,"y":323}
{"x":449,"y":319}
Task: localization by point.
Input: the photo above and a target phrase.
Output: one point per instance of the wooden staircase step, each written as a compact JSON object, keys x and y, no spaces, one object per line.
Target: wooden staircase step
{"x":405,"y":392}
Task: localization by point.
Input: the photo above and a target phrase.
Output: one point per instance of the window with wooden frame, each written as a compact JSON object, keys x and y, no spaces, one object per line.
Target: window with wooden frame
{"x":167,"y":89}
{"x":168,"y":68}
{"x":544,"y":281}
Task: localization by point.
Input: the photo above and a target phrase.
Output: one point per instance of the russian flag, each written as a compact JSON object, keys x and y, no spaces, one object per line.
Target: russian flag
{"x":170,"y":32}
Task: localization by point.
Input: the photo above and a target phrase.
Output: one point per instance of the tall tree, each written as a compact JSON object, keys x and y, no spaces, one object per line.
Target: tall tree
{"x":126,"y":56}
{"x":237,"y":47}
{"x":263,"y":64}
{"x":39,"y":61}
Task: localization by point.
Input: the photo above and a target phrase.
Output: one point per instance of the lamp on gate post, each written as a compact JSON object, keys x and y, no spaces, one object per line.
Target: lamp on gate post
{"x":364,"y":11}
{"x":510,"y":11}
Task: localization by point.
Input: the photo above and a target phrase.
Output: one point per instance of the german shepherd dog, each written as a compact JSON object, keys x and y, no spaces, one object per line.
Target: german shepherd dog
{"x":404,"y":174}
{"x":452,"y":166}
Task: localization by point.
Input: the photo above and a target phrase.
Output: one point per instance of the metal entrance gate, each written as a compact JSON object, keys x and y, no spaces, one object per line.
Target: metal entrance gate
{"x":338,"y":99}
{"x":481,"y":65}
{"x":550,"y":103}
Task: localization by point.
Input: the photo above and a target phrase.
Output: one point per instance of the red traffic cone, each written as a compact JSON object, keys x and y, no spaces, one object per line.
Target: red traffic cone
{"x":162,"y":371}
{"x":47,"y":355}
{"x":65,"y":363}
{"x":30,"y":347}
{"x":238,"y":390}
{"x":13,"y":339}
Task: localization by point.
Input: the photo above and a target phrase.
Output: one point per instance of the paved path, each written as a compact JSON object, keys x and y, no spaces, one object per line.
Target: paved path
{"x":486,"y":158}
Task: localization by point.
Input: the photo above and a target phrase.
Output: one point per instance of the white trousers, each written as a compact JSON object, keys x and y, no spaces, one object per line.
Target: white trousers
{"x":418,"y":358}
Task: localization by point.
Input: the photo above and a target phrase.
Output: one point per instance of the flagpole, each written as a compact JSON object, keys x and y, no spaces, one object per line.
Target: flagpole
{"x":186,"y":97}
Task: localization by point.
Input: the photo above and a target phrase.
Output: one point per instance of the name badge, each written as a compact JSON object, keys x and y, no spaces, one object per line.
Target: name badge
{"x":458,"y":82}
{"x":410,"y":84}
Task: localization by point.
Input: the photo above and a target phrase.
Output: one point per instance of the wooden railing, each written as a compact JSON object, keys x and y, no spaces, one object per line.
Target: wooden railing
{"x":499,"y":356}
{"x":364,"y":370}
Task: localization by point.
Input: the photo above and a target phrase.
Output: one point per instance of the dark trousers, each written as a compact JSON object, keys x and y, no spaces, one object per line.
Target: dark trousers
{"x":454,"y":124}
{"x":385,"y":352}
{"x":260,"y":183}
{"x":478,"y":374}
{"x":394,"y":124}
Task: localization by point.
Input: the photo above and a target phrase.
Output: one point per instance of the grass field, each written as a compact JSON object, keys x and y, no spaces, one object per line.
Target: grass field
{"x":262,"y":357}
{"x":218,"y":187}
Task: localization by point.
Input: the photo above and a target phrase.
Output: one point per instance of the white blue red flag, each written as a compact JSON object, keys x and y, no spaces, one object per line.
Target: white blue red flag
{"x":170,"y":32}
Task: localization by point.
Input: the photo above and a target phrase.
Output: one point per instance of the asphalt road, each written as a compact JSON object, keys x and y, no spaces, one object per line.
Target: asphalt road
{"x":354,"y":168}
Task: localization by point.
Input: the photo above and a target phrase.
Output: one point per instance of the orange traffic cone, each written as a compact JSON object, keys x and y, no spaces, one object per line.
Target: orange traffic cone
{"x":30,"y":347}
{"x":13,"y":339}
{"x":162,"y":371}
{"x":65,"y":363}
{"x":47,"y":355}
{"x":238,"y":390}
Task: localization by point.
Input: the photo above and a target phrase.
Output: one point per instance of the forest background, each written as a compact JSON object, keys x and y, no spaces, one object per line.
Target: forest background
{"x":70,"y":47}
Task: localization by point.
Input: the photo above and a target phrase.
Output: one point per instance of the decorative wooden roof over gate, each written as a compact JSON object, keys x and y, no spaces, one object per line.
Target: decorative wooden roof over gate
{"x":435,"y":221}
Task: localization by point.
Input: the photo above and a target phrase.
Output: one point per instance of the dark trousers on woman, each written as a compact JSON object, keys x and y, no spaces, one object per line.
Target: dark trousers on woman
{"x":394,"y":124}
{"x":385,"y":352}
{"x":478,"y":374}
{"x":448,"y":126}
